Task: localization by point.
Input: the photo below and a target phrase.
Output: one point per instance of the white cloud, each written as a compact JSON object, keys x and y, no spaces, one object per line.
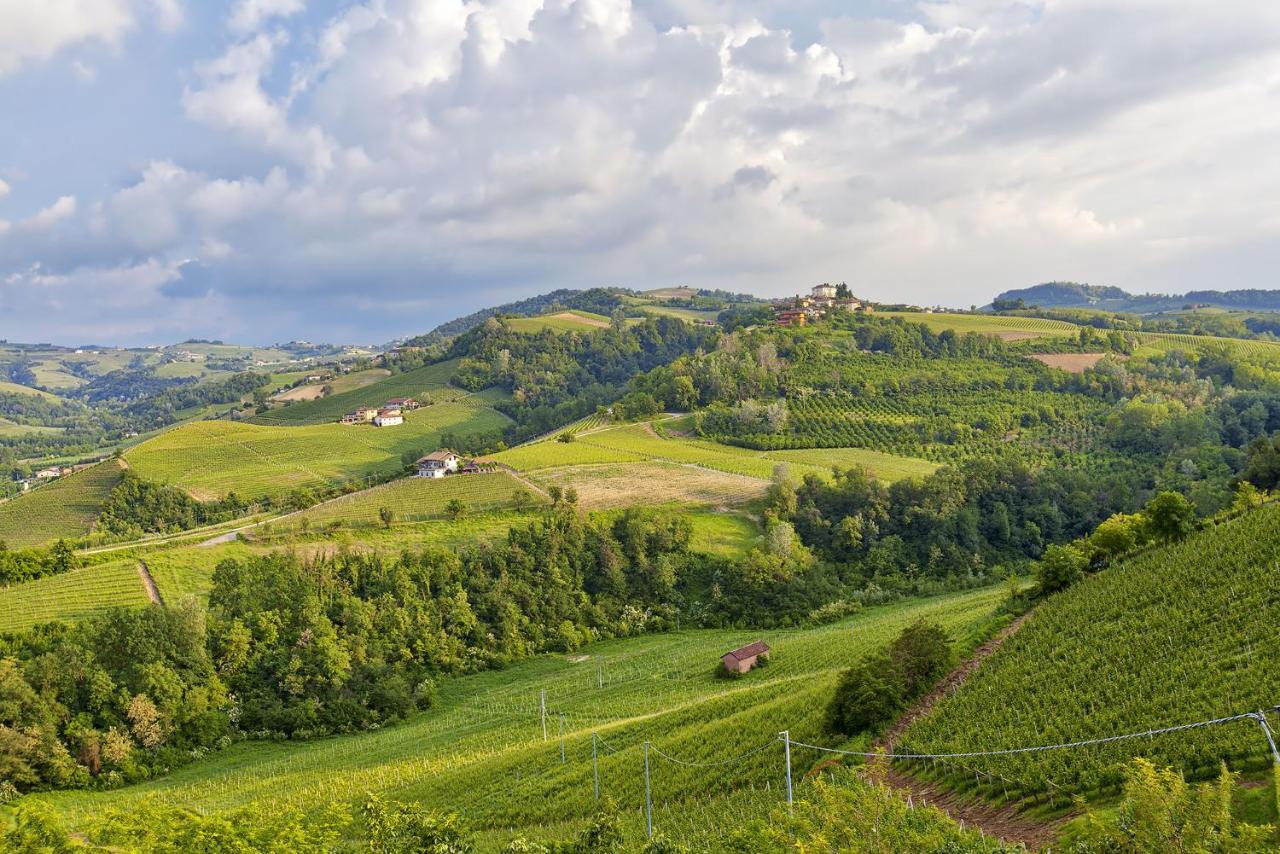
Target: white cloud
{"x":249,"y":15}
{"x":4,"y":188}
{"x":31,"y":32}
{"x":63,"y":208}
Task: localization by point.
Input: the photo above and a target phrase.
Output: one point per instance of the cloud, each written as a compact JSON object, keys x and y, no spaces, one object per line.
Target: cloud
{"x":4,"y":188}
{"x":32,"y":32}
{"x":404,"y":161}
{"x":248,"y":15}
{"x":63,"y":208}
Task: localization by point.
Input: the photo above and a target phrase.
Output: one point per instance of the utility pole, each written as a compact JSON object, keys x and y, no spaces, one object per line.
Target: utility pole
{"x":648,"y":798}
{"x":786,"y":743}
{"x":595,"y":767}
{"x":543,"y":705}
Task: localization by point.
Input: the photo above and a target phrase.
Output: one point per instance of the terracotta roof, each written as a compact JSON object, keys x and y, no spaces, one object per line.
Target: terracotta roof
{"x":757,"y":648}
{"x":437,"y":456}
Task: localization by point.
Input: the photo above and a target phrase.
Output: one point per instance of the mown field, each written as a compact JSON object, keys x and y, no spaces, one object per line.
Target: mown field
{"x":330,"y":409}
{"x":212,"y":458}
{"x":416,"y":499}
{"x":1178,"y":634}
{"x":561,"y":321}
{"x":66,"y":507}
{"x":481,"y":750}
{"x":72,"y":595}
{"x":1010,"y":328}
{"x":646,"y":484}
{"x":636,"y":443}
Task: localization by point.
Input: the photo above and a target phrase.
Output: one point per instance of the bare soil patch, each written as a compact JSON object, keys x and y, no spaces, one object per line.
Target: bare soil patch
{"x":1075,"y":363}
{"x":1012,"y":335}
{"x":301,"y":393}
{"x":153,"y":592}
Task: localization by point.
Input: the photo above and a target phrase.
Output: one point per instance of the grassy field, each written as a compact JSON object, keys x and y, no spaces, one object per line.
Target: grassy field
{"x":480,"y":750}
{"x":563,"y":321}
{"x":633,"y":443}
{"x":72,"y":595}
{"x":14,"y":388}
{"x":67,"y":507}
{"x":1007,"y":327}
{"x":212,"y":458}
{"x":631,"y":484}
{"x":330,"y":409}
{"x":420,"y":498}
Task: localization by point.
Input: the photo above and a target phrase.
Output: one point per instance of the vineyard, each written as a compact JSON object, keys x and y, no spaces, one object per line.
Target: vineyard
{"x":429,"y":379}
{"x":71,"y":596}
{"x":67,"y":507}
{"x":1003,"y":326}
{"x":1179,"y":634}
{"x":481,"y":751}
{"x":212,"y":458}
{"x":416,"y":499}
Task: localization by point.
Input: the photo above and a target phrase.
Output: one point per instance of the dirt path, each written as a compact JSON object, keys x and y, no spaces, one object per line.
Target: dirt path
{"x":1002,"y":821}
{"x":153,"y":592}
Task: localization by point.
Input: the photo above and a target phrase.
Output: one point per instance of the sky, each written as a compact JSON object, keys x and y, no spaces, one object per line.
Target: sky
{"x":264,"y":170}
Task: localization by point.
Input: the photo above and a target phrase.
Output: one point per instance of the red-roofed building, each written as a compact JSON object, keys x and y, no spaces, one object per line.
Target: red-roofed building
{"x":744,"y":658}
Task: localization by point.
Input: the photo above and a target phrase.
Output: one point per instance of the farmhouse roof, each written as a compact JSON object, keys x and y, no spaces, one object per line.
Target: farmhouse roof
{"x":751,"y":649}
{"x":437,"y":456}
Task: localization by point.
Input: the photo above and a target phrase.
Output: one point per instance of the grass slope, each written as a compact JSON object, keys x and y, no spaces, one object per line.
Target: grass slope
{"x":1175,"y":635}
{"x":1009,"y":327}
{"x":420,"y":498}
{"x":562,"y":321}
{"x":15,"y":388}
{"x":480,"y":750}
{"x":330,"y":409}
{"x":72,"y":595}
{"x":212,"y":458}
{"x":634,"y":443}
{"x":67,"y":507}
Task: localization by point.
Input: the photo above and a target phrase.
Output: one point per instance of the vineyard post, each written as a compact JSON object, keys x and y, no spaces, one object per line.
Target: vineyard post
{"x":1271,"y":742}
{"x":542,"y":704}
{"x":595,"y":767}
{"x":648,"y":798}
{"x":786,"y":743}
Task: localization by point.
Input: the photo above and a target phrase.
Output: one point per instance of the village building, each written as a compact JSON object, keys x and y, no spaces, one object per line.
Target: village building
{"x":744,"y":658}
{"x":49,"y":473}
{"x":388,"y":417}
{"x":437,"y":464}
{"x":406,"y":403}
{"x":792,"y":317}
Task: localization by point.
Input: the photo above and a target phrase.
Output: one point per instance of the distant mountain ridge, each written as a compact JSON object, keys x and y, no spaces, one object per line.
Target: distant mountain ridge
{"x":1110,"y":298}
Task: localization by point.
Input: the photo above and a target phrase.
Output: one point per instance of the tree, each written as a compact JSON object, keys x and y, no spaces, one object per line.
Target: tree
{"x":1118,"y":535}
{"x":454,"y":508}
{"x":1059,"y":568}
{"x":387,"y":515}
{"x":566,"y":437}
{"x":571,"y":497}
{"x":1170,"y":516}
{"x":556,"y":494}
{"x":520,"y":499}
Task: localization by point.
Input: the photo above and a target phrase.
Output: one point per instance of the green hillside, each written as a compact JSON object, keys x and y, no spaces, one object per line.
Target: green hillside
{"x":1178,"y":634}
{"x":71,"y":596}
{"x":562,"y":321}
{"x":1002,"y":326}
{"x":212,"y":458}
{"x":420,"y":498}
{"x":480,"y":749}
{"x":66,"y":507}
{"x":330,"y":409}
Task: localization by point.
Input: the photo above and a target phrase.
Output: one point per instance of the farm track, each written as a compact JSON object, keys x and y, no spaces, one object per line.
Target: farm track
{"x":153,"y":592}
{"x":1003,"y":821}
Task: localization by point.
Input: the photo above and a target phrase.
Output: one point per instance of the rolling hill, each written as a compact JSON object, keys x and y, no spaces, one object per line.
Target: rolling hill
{"x":66,"y":507}
{"x":431,"y":378}
{"x":212,"y":458}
